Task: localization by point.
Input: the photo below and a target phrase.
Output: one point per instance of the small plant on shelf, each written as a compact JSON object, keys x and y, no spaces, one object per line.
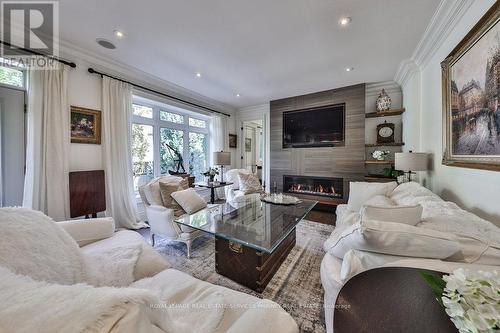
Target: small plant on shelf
{"x":380,"y":155}
{"x":393,"y":173}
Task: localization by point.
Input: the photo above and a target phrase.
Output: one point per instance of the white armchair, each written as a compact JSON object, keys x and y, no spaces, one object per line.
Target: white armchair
{"x":233,"y":194}
{"x":161,"y":219}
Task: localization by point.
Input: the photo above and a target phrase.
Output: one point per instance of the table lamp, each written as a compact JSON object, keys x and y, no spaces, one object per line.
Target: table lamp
{"x":222,"y":158}
{"x":410,"y":162}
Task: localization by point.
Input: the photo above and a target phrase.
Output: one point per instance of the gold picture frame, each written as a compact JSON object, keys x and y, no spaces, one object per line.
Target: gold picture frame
{"x":471,"y":111}
{"x":85,"y":125}
{"x":471,"y":106}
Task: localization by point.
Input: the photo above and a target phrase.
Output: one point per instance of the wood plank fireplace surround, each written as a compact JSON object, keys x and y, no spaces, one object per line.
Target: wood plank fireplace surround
{"x":303,"y":171}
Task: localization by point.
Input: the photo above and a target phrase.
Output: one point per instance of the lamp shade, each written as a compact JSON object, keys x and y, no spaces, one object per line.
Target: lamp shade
{"x":222,"y":158}
{"x":411,"y":161}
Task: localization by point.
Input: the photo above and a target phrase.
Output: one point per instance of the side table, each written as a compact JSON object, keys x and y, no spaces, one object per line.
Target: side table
{"x":212,"y":186}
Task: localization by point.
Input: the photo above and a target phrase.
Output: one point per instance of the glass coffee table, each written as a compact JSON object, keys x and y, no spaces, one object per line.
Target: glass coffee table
{"x":251,"y":241}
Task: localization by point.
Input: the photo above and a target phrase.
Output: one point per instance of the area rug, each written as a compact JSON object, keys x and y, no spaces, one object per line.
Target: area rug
{"x":296,"y":286}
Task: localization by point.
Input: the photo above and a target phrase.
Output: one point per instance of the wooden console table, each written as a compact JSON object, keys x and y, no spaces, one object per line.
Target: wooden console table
{"x":389,"y":299}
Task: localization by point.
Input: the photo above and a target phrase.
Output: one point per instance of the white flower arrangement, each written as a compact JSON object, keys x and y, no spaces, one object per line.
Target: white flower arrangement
{"x":472,"y":300}
{"x":380,"y":154}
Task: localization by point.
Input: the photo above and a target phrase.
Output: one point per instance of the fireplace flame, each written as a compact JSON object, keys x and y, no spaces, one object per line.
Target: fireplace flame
{"x":310,"y":189}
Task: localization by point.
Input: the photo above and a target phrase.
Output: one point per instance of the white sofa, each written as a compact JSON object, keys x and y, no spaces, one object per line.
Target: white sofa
{"x":437,"y":215}
{"x":63,"y":277}
{"x":161,"y":219}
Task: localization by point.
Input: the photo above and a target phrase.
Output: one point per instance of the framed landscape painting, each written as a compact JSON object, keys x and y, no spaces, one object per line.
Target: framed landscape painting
{"x":85,"y":125}
{"x":471,"y":97}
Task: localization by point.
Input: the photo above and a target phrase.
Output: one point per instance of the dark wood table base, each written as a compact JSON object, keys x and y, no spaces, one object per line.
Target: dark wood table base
{"x":247,"y":266}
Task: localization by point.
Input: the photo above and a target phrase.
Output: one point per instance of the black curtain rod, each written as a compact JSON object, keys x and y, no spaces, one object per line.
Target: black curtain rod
{"x":93,"y":71}
{"x":30,"y":51}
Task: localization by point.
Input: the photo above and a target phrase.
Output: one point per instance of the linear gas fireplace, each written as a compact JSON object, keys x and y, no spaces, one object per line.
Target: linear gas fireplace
{"x":320,"y":186}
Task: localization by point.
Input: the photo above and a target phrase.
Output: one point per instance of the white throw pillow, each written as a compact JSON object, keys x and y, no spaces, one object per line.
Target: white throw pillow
{"x":32,"y":244}
{"x":249,"y":183}
{"x":361,"y":192}
{"x":410,"y":215}
{"x":392,"y":238}
{"x":189,"y":200}
{"x":232,"y":177}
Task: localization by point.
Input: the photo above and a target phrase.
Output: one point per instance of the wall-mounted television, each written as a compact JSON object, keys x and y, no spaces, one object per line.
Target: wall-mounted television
{"x":317,"y":127}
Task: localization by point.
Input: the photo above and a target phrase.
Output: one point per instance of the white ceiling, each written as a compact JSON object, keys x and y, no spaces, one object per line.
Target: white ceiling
{"x":262,"y":49}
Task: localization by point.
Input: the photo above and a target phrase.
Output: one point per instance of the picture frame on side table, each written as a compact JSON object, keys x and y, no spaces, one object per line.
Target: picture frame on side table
{"x":85,"y":125}
{"x":471,"y":97}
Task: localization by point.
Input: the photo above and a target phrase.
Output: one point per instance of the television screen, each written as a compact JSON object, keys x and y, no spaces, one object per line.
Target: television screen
{"x":318,"y":127}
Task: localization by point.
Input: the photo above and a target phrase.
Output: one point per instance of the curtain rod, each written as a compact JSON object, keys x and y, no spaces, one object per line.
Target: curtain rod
{"x":93,"y":71}
{"x":68,"y":63}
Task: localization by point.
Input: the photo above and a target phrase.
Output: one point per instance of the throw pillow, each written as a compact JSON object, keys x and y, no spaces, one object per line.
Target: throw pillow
{"x":360,"y":192}
{"x":32,"y":244}
{"x":232,"y":177}
{"x":410,"y":215}
{"x":249,"y":183}
{"x":166,"y":190}
{"x":189,"y":200}
{"x":392,"y":238}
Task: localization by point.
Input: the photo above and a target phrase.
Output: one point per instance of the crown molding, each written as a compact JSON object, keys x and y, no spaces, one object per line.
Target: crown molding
{"x":444,"y":20}
{"x":134,"y":74}
{"x":405,"y":71}
{"x":373,"y":89}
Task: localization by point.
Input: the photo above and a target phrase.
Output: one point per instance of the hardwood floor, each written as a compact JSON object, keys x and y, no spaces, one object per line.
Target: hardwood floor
{"x":322,"y":216}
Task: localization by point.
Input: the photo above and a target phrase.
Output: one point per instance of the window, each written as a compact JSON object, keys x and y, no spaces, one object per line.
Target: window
{"x":197,"y":123}
{"x":197,"y":154}
{"x":142,"y":154}
{"x":143,"y":111}
{"x":12,"y":75}
{"x":170,"y":139}
{"x":155,"y":128}
{"x":172,"y":117}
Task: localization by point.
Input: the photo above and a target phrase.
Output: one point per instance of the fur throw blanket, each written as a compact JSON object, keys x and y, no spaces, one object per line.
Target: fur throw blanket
{"x":33,"y":306}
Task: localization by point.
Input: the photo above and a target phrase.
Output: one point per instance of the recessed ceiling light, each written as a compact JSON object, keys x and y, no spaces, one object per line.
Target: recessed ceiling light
{"x":198,"y":74}
{"x":349,"y":69}
{"x":105,"y":43}
{"x":119,"y":34}
{"x":344,"y":21}
{"x":238,"y":95}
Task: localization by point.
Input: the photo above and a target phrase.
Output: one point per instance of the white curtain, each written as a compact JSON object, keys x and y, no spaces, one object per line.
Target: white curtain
{"x":46,"y":184}
{"x":117,"y":159}
{"x":219,"y":141}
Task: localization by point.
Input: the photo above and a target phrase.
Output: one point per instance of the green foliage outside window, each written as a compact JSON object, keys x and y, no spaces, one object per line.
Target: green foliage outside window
{"x":197,"y":149}
{"x":175,"y":139}
{"x":11,"y":77}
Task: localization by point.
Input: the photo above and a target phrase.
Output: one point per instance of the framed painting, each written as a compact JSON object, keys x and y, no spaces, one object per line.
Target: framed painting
{"x":233,"y":139}
{"x":85,"y":125}
{"x":471,"y":92}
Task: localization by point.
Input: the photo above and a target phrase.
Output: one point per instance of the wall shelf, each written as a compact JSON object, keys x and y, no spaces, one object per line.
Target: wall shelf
{"x":379,"y":162}
{"x":394,"y":112}
{"x":394,"y":144}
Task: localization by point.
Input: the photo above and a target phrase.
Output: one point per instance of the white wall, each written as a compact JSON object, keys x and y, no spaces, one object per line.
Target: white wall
{"x":84,"y":90}
{"x":475,"y":190}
